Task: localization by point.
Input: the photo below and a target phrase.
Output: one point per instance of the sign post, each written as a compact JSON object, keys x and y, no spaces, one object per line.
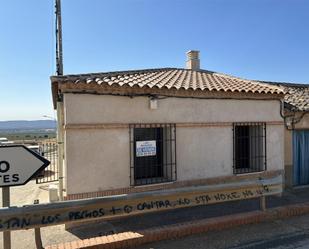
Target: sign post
{"x":18,"y":165}
{"x":6,"y":203}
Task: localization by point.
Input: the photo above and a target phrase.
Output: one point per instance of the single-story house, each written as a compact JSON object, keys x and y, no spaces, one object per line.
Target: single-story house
{"x":296,"y":152}
{"x":132,"y":131}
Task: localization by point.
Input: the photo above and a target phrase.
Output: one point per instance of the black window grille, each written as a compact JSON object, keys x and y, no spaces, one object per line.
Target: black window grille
{"x":152,"y":153}
{"x":249,"y":147}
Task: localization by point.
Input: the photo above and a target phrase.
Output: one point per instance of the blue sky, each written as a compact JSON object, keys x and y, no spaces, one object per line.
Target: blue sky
{"x":255,"y":39}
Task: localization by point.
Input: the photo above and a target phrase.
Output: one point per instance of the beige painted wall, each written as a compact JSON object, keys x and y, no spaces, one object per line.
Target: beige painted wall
{"x":288,"y":158}
{"x":275,"y":147}
{"x":304,"y":123}
{"x":204,"y":152}
{"x":98,"y":159}
{"x":86,"y":108}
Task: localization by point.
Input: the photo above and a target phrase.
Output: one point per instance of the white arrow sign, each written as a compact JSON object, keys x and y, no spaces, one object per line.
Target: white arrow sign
{"x":18,"y":165}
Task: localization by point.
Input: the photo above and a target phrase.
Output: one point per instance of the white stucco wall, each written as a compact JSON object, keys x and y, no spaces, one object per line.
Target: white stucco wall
{"x":204,"y":152}
{"x":99,"y":159}
{"x":275,"y":147}
{"x":87,"y":109}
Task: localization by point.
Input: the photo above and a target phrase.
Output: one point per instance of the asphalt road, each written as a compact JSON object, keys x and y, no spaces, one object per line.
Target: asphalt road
{"x":290,"y":233}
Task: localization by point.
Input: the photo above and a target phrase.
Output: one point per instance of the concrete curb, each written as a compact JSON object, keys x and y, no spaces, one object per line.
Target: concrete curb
{"x":133,"y":239}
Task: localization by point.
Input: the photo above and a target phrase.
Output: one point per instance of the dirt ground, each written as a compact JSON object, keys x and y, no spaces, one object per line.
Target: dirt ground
{"x":27,"y":194}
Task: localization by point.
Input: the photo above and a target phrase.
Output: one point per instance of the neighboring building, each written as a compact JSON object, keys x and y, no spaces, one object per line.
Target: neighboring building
{"x":36,"y":148}
{"x":3,"y":140}
{"x":161,"y":128}
{"x":296,"y":109}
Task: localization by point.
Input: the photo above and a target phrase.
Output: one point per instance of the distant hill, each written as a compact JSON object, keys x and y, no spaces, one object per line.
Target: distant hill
{"x":28,"y":125}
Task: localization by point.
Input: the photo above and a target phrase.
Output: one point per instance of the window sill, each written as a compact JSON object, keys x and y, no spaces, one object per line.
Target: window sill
{"x":250,"y":173}
{"x":154,"y":184}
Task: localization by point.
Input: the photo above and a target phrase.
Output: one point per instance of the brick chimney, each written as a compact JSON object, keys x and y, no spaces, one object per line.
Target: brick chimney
{"x":193,"y":60}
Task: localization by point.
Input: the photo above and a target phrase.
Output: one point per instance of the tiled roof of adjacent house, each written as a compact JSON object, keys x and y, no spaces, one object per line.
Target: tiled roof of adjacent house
{"x":296,"y":96}
{"x":170,"y":78}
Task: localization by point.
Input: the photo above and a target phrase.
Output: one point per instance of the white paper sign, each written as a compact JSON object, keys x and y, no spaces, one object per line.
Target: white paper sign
{"x":146,"y":148}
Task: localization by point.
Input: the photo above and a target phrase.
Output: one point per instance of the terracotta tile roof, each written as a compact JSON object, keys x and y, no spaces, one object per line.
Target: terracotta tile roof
{"x":296,"y":95}
{"x":298,"y":98}
{"x":170,"y":78}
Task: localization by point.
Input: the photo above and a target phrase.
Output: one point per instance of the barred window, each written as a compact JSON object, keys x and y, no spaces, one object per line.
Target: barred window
{"x":249,"y":147}
{"x":153,"y":153}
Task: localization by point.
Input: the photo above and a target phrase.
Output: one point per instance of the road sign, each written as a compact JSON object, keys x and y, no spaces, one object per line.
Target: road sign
{"x":18,"y":165}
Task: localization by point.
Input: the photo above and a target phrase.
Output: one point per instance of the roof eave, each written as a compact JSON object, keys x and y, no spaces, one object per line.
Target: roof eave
{"x":92,"y":88}
{"x":55,"y":94}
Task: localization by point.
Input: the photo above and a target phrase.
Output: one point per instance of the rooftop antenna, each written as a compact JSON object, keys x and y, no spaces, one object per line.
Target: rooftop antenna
{"x":59,"y":58}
